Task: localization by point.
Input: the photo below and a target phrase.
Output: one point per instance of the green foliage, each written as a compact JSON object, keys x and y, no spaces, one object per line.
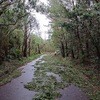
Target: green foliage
{"x":8,"y":77}
{"x":16,"y":41}
{"x":16,"y":21}
{"x":9,"y":71}
{"x":77,"y":36}
{"x":76,"y":29}
{"x":47,"y":86}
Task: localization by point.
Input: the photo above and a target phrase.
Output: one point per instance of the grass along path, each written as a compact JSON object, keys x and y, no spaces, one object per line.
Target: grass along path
{"x":46,"y":82}
{"x":9,"y":70}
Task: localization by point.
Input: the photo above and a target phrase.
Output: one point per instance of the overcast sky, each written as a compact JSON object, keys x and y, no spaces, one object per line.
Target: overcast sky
{"x":43,"y":23}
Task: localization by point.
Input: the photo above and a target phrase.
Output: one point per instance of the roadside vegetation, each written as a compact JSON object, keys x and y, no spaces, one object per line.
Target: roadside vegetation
{"x":47,"y":85}
{"x":74,"y":35}
{"x":9,"y":70}
{"x":18,"y":41}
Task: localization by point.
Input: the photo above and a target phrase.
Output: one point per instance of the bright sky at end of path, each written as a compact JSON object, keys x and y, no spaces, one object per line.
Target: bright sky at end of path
{"x":43,"y":22}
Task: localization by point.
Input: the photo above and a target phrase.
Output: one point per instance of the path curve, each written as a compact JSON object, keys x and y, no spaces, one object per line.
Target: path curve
{"x":15,"y":90}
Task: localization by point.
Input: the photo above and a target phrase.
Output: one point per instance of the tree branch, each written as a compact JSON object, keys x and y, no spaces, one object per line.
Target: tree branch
{"x":15,"y":21}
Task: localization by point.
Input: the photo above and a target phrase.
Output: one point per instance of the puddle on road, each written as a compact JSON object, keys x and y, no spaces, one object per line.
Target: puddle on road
{"x":58,"y":78}
{"x":39,"y":62}
{"x":42,"y":62}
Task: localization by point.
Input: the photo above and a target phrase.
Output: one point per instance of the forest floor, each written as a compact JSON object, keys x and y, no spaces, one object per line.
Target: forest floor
{"x":52,"y":77}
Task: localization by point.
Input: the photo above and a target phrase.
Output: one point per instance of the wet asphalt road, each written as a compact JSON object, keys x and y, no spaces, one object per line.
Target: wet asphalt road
{"x":72,"y":93}
{"x":15,"y":90}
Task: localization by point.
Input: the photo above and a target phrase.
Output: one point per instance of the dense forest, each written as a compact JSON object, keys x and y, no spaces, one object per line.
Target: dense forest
{"x":17,"y":26}
{"x":76,"y":29}
{"x":19,"y":41}
{"x":71,"y":52}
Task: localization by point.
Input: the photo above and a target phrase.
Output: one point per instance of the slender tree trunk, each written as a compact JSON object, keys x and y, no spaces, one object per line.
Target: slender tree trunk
{"x":38,"y":49}
{"x":95,"y":45}
{"x":66,"y":48}
{"x":78,"y":37}
{"x":62,"y":49}
{"x":29,"y":49}
{"x":87,"y":49}
{"x":72,"y":53}
{"x":25,"y":43}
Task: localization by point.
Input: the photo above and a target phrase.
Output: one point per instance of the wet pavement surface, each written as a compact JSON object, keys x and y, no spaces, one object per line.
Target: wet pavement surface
{"x":15,"y":89}
{"x":72,"y":93}
{"x":58,"y":78}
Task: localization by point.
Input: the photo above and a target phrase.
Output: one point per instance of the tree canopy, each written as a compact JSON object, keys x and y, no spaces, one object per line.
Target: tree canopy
{"x":17,"y":25}
{"x":76,"y":29}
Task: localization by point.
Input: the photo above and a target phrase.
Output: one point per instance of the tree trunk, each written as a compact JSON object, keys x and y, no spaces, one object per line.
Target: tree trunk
{"x":79,"y":39}
{"x":87,"y":49}
{"x":25,"y":43}
{"x":66,"y":48}
{"x":38,"y":49}
{"x":62,"y":49}
{"x":29,"y":48}
{"x":72,"y":53}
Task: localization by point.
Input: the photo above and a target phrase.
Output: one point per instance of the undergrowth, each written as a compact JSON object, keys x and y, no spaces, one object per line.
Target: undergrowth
{"x":9,"y":70}
{"x":47,"y":86}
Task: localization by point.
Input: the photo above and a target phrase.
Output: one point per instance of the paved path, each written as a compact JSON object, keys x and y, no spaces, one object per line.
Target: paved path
{"x":72,"y":93}
{"x":15,"y":90}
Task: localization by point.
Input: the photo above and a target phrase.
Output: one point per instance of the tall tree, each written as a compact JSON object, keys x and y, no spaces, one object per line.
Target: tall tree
{"x":76,"y":31}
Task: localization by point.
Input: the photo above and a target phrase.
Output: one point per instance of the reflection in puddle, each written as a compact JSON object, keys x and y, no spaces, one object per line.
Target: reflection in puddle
{"x":58,"y":78}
